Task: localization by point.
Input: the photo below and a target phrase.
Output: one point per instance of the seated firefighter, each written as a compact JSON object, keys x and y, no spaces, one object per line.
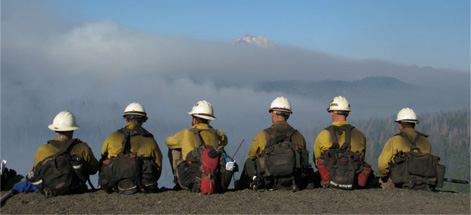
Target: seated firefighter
{"x":277,"y":158}
{"x":197,"y":154}
{"x":63,"y":165}
{"x":339,"y":150}
{"x":406,"y":160}
{"x":131,"y":159}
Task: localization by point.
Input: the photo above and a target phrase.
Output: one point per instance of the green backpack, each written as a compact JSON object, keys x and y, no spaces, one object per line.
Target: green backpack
{"x":416,"y":170}
{"x":61,"y":173}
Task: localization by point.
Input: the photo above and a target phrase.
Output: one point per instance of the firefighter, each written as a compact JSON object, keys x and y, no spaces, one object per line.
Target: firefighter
{"x":280,"y":111}
{"x":406,"y":121}
{"x":136,"y":142}
{"x":184,"y":142}
{"x":339,"y":109}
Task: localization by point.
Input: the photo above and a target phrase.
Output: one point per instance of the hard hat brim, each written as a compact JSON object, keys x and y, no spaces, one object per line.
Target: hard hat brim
{"x":409,"y":121}
{"x":203,"y":116}
{"x":70,"y":128}
{"x":280,"y":109}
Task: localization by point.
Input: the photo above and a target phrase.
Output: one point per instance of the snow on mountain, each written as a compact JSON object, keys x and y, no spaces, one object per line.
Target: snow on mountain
{"x":252,"y":40}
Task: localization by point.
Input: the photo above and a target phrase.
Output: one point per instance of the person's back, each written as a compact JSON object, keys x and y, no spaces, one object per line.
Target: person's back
{"x":135,"y":155}
{"x":64,"y":160}
{"x":399,"y":143}
{"x":189,"y":143}
{"x":142,"y":143}
{"x":324,"y":140}
{"x":341,"y":139}
{"x":277,"y":157}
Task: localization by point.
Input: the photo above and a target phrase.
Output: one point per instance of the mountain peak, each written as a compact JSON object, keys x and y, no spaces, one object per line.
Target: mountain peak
{"x":252,"y":40}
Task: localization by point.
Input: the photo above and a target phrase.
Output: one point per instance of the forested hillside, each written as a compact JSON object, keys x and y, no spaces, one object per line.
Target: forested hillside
{"x":449,"y":133}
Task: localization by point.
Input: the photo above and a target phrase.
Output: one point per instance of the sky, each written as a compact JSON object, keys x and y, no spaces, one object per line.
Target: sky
{"x":432,"y":32}
{"x":93,"y":58}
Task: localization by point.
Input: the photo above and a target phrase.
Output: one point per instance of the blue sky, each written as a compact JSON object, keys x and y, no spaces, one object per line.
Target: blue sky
{"x":423,"y":32}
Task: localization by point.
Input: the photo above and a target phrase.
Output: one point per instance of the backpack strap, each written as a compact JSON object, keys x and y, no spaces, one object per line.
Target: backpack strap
{"x":137,"y":130}
{"x":279,"y":135}
{"x":199,"y":140}
{"x":334,"y":130}
{"x":64,"y":146}
{"x":126,"y":144}
{"x":412,"y":142}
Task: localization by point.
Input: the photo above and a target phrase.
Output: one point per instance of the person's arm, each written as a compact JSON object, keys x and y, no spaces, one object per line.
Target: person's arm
{"x":91,"y":161}
{"x":320,"y":145}
{"x":157,"y":154}
{"x":258,"y":145}
{"x":104,"y":148}
{"x":39,"y":156}
{"x":175,"y":140}
{"x":298,"y":138}
{"x":222,"y":139}
{"x":385,"y":158}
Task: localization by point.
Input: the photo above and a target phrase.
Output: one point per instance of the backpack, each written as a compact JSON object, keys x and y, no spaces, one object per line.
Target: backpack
{"x":61,"y":173}
{"x":204,"y":169}
{"x":416,"y":170}
{"x":339,"y":167}
{"x":281,"y":163}
{"x":6,"y":175}
{"x":128,"y":173}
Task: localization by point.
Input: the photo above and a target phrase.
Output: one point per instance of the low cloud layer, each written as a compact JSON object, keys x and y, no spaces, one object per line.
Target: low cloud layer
{"x":95,"y":69}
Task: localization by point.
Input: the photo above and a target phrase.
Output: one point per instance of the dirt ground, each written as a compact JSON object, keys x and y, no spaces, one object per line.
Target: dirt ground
{"x":316,"y":201}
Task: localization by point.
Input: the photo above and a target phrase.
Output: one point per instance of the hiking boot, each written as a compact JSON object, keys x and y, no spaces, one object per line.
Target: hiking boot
{"x":151,"y":188}
{"x":127,"y":187}
{"x":177,"y":187}
{"x":195,"y":189}
{"x":237,"y":185}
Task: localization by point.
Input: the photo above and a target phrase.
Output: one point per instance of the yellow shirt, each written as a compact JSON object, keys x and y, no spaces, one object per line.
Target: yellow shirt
{"x":398,"y":143}
{"x":185,"y":139}
{"x":81,"y":150}
{"x":141,"y":146}
{"x":324,"y":141}
{"x":260,"y":140}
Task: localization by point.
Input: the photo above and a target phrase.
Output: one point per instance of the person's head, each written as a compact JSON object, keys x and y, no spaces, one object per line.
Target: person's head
{"x":406,"y":118}
{"x":64,"y":125}
{"x":280,"y":109}
{"x":202,"y":112}
{"x":135,"y":113}
{"x":339,"y":108}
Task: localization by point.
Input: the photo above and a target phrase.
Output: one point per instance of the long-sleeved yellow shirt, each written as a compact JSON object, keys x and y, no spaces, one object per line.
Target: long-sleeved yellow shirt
{"x":398,"y":143}
{"x":143,"y":146}
{"x":185,"y":139}
{"x":81,"y":150}
{"x":260,"y":140}
{"x":324,"y":141}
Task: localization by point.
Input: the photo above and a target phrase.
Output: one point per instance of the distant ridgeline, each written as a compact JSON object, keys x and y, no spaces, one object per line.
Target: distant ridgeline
{"x":327,"y":89}
{"x":449,"y":133}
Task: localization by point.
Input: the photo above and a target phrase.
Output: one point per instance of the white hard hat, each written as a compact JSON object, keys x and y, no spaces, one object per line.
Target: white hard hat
{"x":203,"y":109}
{"x":407,"y":115}
{"x":135,"y":109}
{"x":339,"y":103}
{"x":280,"y":104}
{"x":64,"y":121}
